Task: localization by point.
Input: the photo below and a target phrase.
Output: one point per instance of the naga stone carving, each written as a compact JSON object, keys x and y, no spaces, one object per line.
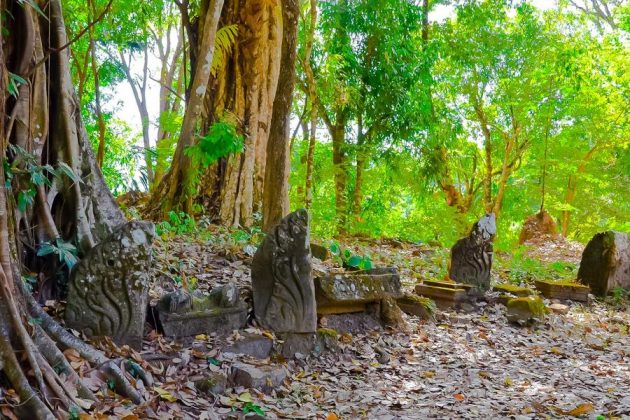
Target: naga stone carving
{"x":471,"y":257}
{"x":184,"y":314}
{"x":282,"y":282}
{"x":108,"y":288}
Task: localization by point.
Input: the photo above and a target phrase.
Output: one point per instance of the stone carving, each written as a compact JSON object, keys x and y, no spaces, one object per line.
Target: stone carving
{"x":471,"y":257}
{"x":108,"y":288}
{"x":282,"y":282}
{"x":184,"y":314}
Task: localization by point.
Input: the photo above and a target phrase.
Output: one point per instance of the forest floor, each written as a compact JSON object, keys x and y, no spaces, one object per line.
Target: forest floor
{"x":459,"y":365}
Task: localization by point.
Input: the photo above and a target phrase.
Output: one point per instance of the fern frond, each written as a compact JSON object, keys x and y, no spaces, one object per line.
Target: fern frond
{"x":225,"y":38}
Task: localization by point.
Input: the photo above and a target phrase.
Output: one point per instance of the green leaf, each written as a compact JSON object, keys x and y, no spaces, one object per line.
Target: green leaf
{"x":334,"y":248}
{"x":354,"y":261}
{"x":25,"y":199}
{"x":46,"y":248}
{"x":64,"y":169}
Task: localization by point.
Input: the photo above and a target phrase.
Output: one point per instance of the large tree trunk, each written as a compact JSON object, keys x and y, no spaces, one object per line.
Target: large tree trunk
{"x":276,"y":187}
{"x":45,"y":123}
{"x":178,"y":187}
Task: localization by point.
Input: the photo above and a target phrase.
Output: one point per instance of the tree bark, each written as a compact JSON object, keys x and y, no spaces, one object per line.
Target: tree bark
{"x":276,"y":188}
{"x":177,"y":188}
{"x":81,"y":213}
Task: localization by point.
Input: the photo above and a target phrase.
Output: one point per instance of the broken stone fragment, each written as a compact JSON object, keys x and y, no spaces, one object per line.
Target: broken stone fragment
{"x":526,"y":310}
{"x":471,"y":257}
{"x":419,"y":306}
{"x":391,"y":314}
{"x":605,"y":262}
{"x":203,"y":321}
{"x":350,"y":292}
{"x":359,"y":322}
{"x":108,"y":288}
{"x":282,"y":282}
{"x":263,"y":378}
{"x":445,"y":297}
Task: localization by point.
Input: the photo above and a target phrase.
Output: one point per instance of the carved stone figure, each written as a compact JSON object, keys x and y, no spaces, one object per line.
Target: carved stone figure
{"x":108,"y":288}
{"x":185,"y":314}
{"x":471,"y":257}
{"x":284,"y":295}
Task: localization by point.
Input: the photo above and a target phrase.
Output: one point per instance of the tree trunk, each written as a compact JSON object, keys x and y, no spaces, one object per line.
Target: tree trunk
{"x":276,"y":188}
{"x":100,"y":155}
{"x":312,"y":94}
{"x":80,"y":213}
{"x":341,"y":172}
{"x":177,"y":188}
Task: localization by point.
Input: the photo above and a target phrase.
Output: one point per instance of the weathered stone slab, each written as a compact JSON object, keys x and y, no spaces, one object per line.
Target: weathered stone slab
{"x":471,"y":257}
{"x":448,"y":284}
{"x":263,"y":378}
{"x":282,"y":282}
{"x":606,"y":262}
{"x":350,"y":292}
{"x":563,"y":290}
{"x":513,"y":289}
{"x":419,"y":306}
{"x":183,"y":314}
{"x":444,"y":297}
{"x":526,"y":310}
{"x":108,"y":288}
{"x":351,"y":323}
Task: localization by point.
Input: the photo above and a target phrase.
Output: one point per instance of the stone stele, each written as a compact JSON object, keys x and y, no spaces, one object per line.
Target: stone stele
{"x":282,"y":282}
{"x":471,"y":257}
{"x":108,"y":288}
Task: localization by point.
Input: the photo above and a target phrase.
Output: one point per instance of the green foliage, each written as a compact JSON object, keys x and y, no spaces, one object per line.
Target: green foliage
{"x":523,"y":269}
{"x":346,"y":258}
{"x":178,"y":223}
{"x":221,"y":140}
{"x":225,"y":39}
{"x":66,"y":252}
{"x":14,"y":84}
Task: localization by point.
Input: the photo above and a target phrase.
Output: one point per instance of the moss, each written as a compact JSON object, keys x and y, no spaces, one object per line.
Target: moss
{"x":513,"y":289}
{"x":426,"y":302}
{"x":327,"y":332}
{"x":567,"y":283}
{"x":528,"y":305}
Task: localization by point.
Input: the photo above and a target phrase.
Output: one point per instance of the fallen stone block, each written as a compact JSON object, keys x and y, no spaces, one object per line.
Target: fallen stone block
{"x":253,"y":345}
{"x":263,"y":378}
{"x":220,"y":320}
{"x":319,"y":251}
{"x":350,"y":292}
{"x":563,"y":290}
{"x":605,"y":262}
{"x":444,"y":297}
{"x":526,"y":310}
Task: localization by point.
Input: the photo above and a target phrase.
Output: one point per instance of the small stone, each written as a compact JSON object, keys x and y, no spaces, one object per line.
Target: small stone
{"x":297,"y":343}
{"x":214,"y":383}
{"x":467,"y":307}
{"x":559,"y":308}
{"x":319,"y":251}
{"x":422,"y":307}
{"x":264,"y":378}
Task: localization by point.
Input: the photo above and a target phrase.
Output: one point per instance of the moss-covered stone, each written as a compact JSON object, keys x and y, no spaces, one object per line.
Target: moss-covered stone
{"x":526,"y":310}
{"x":563,"y":290}
{"x":327,"y":332}
{"x":419,"y":306}
{"x":513,"y":289}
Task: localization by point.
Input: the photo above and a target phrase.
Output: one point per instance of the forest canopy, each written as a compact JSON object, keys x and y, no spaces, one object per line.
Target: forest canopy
{"x":409,"y":119}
